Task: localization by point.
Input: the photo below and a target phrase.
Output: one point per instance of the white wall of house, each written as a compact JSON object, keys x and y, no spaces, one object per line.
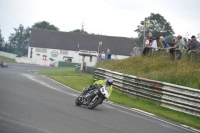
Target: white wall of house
{"x":57,"y":55}
{"x":38,"y":53}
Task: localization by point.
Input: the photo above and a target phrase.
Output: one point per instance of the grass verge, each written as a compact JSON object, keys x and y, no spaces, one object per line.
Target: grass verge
{"x":183,"y":72}
{"x":7,"y":60}
{"x":77,"y":81}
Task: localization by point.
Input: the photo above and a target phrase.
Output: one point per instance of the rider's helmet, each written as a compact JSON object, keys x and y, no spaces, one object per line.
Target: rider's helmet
{"x":109,"y":81}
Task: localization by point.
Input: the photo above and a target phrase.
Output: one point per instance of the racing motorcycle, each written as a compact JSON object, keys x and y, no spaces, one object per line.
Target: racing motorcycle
{"x":3,"y":65}
{"x":93,"y":97}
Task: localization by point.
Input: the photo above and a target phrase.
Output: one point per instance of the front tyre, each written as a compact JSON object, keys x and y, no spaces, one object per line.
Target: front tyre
{"x":78,"y":101}
{"x":95,"y":103}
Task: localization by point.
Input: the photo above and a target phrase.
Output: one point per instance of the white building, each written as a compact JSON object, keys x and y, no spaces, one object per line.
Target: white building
{"x":72,"y":47}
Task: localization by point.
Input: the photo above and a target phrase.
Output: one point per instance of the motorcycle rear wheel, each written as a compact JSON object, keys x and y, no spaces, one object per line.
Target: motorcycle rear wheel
{"x":97,"y":101}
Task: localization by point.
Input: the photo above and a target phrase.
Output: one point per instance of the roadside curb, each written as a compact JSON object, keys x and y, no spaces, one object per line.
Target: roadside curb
{"x":139,"y":111}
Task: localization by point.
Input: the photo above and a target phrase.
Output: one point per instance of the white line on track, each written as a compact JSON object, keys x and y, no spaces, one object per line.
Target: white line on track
{"x":47,"y":85}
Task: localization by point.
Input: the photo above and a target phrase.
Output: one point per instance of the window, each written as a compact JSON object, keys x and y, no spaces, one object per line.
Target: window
{"x":41,"y":50}
{"x":69,"y":60}
{"x":92,"y":52}
{"x":90,"y":58}
{"x":65,"y":52}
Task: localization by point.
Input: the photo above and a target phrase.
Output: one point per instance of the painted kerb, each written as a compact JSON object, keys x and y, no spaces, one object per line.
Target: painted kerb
{"x":180,"y":98}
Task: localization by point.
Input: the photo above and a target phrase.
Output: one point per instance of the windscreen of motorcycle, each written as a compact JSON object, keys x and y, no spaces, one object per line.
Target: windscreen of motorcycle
{"x":107,"y":88}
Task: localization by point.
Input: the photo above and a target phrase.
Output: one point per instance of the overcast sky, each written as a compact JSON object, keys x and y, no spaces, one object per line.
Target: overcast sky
{"x":106,"y":17}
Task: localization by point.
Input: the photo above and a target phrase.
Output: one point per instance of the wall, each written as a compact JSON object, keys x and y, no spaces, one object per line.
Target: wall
{"x":33,"y":61}
{"x":8,"y":55}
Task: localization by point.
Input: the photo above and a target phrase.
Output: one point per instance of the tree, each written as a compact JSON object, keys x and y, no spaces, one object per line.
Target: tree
{"x":82,"y":30}
{"x":79,"y":31}
{"x":1,"y":41}
{"x":137,"y":41}
{"x":44,"y":25}
{"x":20,"y":39}
{"x":158,"y":26}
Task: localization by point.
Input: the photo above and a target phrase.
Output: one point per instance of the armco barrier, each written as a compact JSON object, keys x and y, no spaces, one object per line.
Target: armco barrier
{"x":180,"y":98}
{"x":90,"y":70}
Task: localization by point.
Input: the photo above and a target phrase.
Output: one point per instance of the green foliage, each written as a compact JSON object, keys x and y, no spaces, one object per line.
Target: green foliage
{"x":79,"y":31}
{"x":20,"y":39}
{"x":138,"y":41}
{"x":1,"y":41}
{"x":77,"y":81}
{"x":183,"y":72}
{"x":158,"y":27}
{"x":45,"y":25}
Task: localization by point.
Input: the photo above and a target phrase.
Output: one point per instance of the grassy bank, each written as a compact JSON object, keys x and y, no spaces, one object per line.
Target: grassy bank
{"x":183,"y":72}
{"x":76,"y":81}
{"x":68,"y":77}
{"x":7,"y":60}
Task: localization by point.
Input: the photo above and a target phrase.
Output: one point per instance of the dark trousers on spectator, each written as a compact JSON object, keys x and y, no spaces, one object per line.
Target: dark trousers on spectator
{"x":171,"y":51}
{"x":145,"y":51}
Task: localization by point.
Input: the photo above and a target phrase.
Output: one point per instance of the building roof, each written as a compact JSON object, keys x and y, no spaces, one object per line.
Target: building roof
{"x":77,"y":41}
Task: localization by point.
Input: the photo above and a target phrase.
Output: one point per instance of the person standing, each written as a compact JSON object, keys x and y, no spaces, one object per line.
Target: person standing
{"x":180,"y":46}
{"x":148,"y":43}
{"x":163,"y":42}
{"x":159,"y":43}
{"x":194,"y":44}
{"x":103,"y":56}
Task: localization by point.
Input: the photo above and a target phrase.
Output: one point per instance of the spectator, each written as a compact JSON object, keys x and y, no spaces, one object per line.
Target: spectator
{"x":180,"y":46}
{"x":109,"y":55}
{"x":163,"y":42}
{"x":185,"y":40}
{"x":131,"y":54}
{"x":189,"y":42}
{"x":194,"y":44}
{"x":148,"y":43}
{"x":103,"y":56}
{"x":155,"y":43}
{"x":171,"y":49}
{"x":159,"y":42}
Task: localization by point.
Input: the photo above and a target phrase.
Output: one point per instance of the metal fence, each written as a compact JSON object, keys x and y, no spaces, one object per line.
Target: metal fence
{"x":180,"y":98}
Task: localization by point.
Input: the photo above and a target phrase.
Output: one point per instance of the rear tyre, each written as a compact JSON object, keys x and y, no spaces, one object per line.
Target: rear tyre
{"x":78,"y":101}
{"x":95,"y":103}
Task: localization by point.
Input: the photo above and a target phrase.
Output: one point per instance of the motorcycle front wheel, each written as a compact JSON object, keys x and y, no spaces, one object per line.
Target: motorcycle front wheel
{"x":78,"y":101}
{"x":94,"y":103}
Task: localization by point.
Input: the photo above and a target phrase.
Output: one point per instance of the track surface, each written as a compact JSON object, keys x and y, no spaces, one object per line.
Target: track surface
{"x":31,"y":103}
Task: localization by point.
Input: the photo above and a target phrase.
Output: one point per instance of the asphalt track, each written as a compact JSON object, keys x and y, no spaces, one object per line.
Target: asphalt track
{"x":31,"y":103}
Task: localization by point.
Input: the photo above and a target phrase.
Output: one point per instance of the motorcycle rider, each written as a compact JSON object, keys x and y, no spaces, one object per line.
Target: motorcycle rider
{"x":107,"y":82}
